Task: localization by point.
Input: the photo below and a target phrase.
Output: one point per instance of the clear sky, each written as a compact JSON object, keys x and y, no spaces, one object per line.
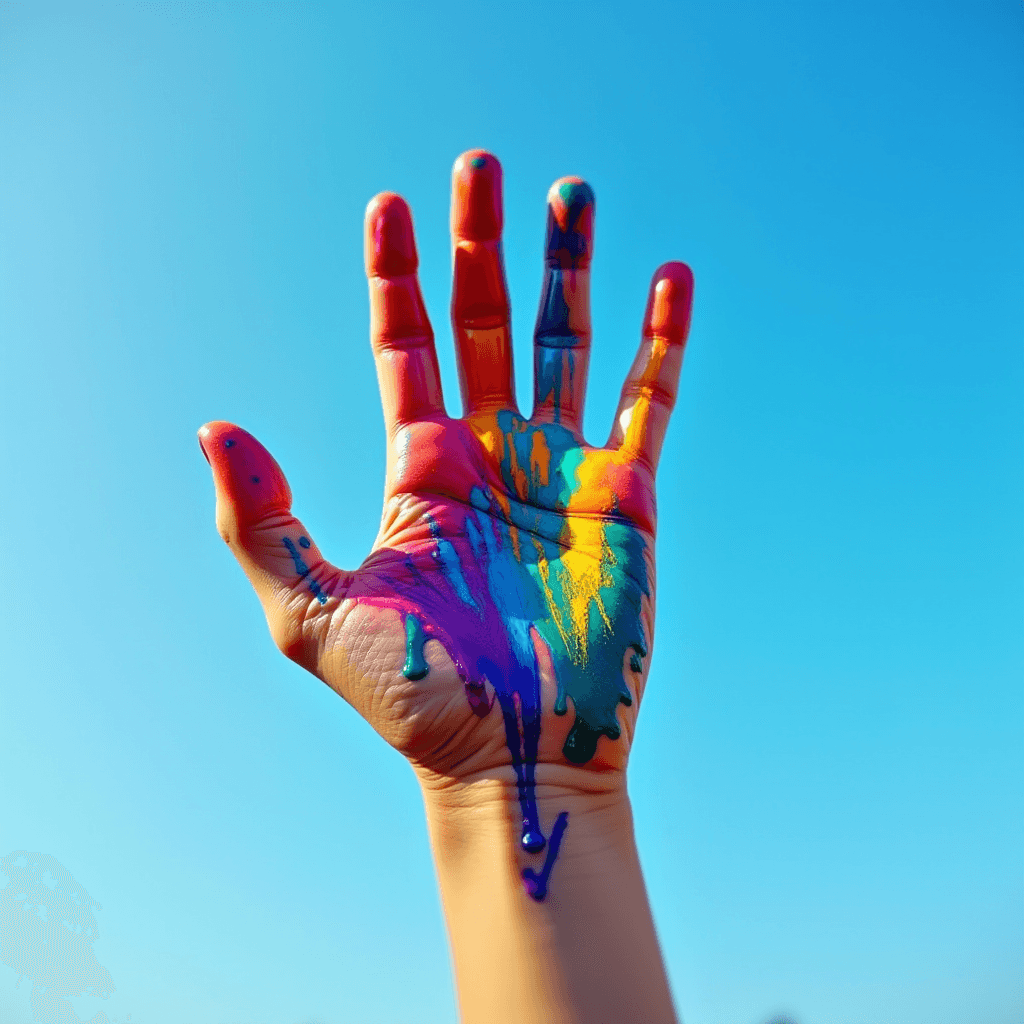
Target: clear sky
{"x":828,"y":774}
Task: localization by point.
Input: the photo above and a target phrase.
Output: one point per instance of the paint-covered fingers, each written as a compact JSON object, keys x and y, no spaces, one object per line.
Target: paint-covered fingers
{"x":403,"y":343}
{"x":649,"y":393}
{"x":291,"y":579}
{"x":480,"y":309}
{"x":561,"y":351}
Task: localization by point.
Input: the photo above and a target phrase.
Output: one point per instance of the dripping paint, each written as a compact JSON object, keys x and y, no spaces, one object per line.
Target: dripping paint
{"x":514,"y":571}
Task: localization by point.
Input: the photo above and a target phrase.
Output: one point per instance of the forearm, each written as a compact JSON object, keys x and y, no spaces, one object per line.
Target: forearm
{"x":587,"y":952}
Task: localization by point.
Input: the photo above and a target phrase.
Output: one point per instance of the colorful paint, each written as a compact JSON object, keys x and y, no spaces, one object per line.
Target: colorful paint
{"x":511,"y":572}
{"x":562,"y":333}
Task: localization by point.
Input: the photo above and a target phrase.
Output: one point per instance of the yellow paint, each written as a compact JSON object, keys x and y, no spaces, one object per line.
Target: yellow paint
{"x":485,"y":426}
{"x":636,"y":431}
{"x":572,"y":583}
{"x":545,"y":581}
{"x":584,"y":570}
{"x":540,"y":459}
{"x":579,"y":574}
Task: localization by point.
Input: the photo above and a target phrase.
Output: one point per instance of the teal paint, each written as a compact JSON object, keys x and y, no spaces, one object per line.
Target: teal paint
{"x":415,"y":664}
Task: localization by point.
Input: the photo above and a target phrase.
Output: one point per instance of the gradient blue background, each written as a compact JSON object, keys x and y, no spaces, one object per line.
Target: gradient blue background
{"x":828,"y":777}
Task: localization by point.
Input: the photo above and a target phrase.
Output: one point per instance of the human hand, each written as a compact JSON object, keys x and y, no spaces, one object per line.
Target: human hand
{"x":526,"y":555}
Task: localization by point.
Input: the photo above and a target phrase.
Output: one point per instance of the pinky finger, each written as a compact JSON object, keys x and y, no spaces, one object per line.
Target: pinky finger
{"x":649,"y":393}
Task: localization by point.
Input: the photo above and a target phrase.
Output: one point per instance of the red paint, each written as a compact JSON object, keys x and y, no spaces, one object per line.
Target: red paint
{"x":236,"y":458}
{"x":670,"y":303}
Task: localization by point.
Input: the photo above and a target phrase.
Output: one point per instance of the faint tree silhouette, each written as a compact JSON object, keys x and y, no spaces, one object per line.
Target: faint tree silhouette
{"x":47,"y":928}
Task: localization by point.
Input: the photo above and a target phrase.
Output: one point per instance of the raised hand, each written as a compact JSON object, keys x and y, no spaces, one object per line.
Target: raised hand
{"x":500,"y":629}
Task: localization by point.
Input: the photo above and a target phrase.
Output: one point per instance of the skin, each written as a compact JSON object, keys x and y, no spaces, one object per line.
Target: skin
{"x":498,"y":634}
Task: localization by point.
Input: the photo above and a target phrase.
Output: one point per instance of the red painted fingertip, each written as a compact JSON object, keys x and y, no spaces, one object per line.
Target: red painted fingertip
{"x":476,"y":197}
{"x":244,"y":471}
{"x":390,"y":246}
{"x":670,"y":303}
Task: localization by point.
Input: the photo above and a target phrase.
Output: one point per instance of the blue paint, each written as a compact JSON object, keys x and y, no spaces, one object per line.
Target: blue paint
{"x":553,"y":330}
{"x":445,"y":555}
{"x":229,"y":443}
{"x":570,"y":247}
{"x":303,"y":571}
{"x":303,"y":542}
{"x":537,"y":882}
{"x":635,"y":663}
{"x":554,"y":341}
{"x":478,"y":162}
{"x":545,"y":500}
{"x":520,"y":603}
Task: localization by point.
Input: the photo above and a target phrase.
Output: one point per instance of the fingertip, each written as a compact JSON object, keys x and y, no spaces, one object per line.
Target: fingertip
{"x":201,"y":434}
{"x":213,"y":435}
{"x":390,"y":244}
{"x":670,"y":302}
{"x":244,"y":471}
{"x":570,"y":235}
{"x":476,"y":196}
{"x":677,"y":272}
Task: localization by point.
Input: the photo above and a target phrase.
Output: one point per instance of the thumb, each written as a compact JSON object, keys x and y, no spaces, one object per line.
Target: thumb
{"x":294,"y":583}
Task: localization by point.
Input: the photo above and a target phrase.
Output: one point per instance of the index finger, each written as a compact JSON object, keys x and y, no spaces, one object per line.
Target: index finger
{"x":400,"y":333}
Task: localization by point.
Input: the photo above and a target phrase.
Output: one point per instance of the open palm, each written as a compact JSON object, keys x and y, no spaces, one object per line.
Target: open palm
{"x":526,"y":555}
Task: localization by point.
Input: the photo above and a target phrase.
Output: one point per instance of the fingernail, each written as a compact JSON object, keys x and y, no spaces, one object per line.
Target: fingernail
{"x":202,"y":447}
{"x":670,"y":302}
{"x":570,"y":240}
{"x":476,"y":202}
{"x":390,"y":246}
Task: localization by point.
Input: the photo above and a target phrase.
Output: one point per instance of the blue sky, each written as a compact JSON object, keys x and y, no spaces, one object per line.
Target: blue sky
{"x":827,"y":779}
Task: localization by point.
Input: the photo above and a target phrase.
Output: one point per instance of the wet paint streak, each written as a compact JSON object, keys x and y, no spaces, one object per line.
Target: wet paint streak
{"x":415,"y":664}
{"x":551,"y":366}
{"x":303,"y":570}
{"x":563,"y":318}
{"x":553,"y":327}
{"x":537,"y":882}
{"x":449,"y":561}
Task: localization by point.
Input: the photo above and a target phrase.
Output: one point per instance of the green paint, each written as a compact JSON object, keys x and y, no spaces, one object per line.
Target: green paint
{"x":594,"y":679}
{"x":591,"y":674}
{"x":415,"y":663}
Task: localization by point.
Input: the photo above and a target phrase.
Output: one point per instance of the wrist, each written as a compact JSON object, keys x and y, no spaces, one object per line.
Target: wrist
{"x":583,"y":815}
{"x":562,"y":935}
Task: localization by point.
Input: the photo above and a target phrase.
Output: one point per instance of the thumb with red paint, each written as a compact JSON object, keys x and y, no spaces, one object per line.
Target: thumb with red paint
{"x":291,"y":579}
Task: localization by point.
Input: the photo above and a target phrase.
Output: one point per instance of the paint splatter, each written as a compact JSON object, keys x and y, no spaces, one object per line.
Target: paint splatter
{"x":515,"y":570}
{"x":303,"y":570}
